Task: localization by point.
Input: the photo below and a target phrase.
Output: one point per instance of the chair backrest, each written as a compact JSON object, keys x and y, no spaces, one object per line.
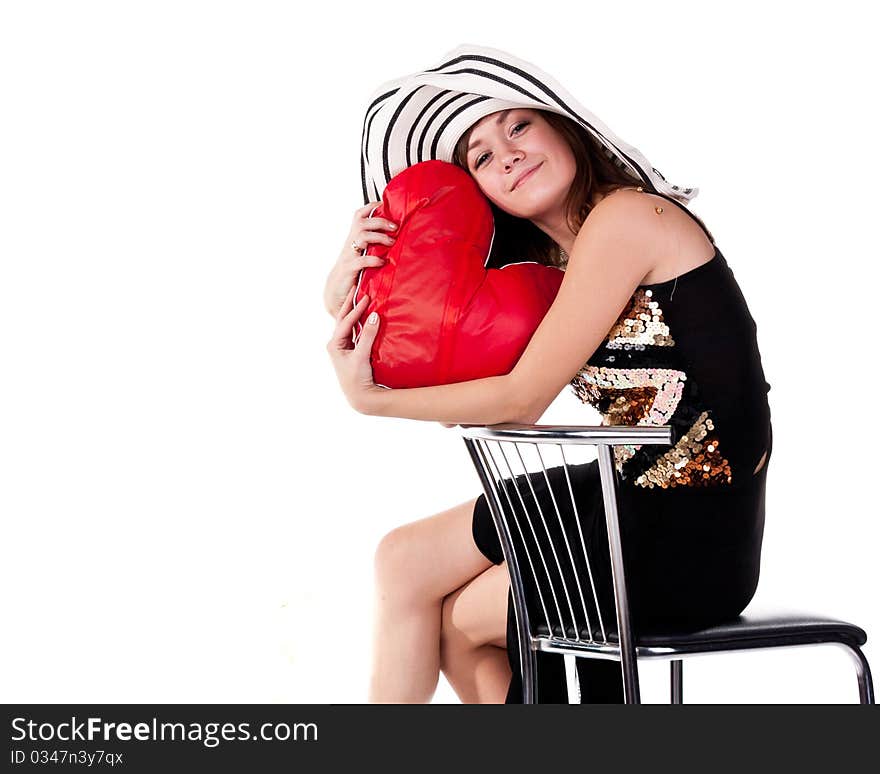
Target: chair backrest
{"x":558,"y":596}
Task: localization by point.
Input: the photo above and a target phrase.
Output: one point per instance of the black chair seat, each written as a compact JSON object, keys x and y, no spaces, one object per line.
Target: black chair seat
{"x":756,"y":630}
{"x":750,"y":630}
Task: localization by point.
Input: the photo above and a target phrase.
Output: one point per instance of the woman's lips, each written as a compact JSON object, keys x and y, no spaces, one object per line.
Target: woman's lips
{"x":527,"y":175}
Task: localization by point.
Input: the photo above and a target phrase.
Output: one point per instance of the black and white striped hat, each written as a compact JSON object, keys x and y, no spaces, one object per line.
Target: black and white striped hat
{"x":423,"y":115}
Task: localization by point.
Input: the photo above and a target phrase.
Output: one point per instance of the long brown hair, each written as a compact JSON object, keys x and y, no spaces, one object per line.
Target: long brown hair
{"x":518,"y":239}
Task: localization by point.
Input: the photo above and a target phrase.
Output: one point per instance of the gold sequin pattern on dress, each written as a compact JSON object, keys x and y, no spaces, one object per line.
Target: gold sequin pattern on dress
{"x":640,"y":323}
{"x":601,"y":385}
{"x":630,"y":396}
{"x":694,"y":461}
{"x":620,"y":407}
{"x":627,"y":407}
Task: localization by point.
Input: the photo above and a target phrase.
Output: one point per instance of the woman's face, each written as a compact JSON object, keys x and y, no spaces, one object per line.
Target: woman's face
{"x":504,"y":145}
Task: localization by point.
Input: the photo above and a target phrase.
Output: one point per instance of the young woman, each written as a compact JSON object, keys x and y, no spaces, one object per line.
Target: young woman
{"x":649,"y":327}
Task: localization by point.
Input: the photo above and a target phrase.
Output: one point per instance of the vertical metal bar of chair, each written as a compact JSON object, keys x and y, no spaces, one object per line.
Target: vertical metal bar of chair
{"x":537,"y":542}
{"x":572,"y":683}
{"x":502,"y":525}
{"x":628,"y":665}
{"x":527,"y":658}
{"x":496,"y":471}
{"x":577,"y":634}
{"x":562,"y":582}
{"x":577,"y":518}
{"x":675,"y":679}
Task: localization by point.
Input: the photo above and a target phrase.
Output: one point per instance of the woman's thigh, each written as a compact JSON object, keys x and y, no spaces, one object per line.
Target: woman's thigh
{"x":431,"y":557}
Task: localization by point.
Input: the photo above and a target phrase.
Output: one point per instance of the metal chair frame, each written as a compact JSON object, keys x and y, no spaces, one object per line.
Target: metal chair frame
{"x":626,"y":650}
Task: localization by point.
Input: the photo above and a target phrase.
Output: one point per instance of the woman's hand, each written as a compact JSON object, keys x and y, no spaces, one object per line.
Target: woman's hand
{"x":352,"y":362}
{"x":364,"y":231}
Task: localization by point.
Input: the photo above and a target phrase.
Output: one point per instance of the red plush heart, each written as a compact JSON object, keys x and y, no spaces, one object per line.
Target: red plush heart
{"x":445,"y":317}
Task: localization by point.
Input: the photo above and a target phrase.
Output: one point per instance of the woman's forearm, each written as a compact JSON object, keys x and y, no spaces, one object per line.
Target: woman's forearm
{"x":488,"y":401}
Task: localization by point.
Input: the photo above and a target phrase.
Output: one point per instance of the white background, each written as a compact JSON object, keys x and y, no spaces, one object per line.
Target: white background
{"x":189,"y":505}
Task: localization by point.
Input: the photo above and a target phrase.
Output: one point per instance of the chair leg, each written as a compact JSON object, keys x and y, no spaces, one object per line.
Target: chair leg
{"x":863,"y":673}
{"x":676,"y":681}
{"x":528,"y":675}
{"x":572,"y":682}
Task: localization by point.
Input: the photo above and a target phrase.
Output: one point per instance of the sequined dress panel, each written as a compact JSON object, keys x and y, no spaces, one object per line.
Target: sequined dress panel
{"x":684,"y":353}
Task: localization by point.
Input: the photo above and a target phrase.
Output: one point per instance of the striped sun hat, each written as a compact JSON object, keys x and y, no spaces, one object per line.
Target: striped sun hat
{"x":422,"y":116}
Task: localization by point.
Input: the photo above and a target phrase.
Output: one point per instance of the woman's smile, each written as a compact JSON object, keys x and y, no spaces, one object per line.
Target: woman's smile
{"x":527,"y":175}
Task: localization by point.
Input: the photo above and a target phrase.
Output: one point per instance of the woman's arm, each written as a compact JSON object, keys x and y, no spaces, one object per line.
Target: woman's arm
{"x":486,"y":401}
{"x":617,"y":246}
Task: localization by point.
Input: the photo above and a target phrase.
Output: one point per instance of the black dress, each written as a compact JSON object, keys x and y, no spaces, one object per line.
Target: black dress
{"x":682,"y":353}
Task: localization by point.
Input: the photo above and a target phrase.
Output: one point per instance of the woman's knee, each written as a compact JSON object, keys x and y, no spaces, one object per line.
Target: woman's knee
{"x":400,"y":565}
{"x":392,"y":561}
{"x":429,"y":558}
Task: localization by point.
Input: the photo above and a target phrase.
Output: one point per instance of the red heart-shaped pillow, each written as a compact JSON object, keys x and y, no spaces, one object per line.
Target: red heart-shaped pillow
{"x":444,"y":316}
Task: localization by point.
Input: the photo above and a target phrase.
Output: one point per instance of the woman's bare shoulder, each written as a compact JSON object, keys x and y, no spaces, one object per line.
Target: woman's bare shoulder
{"x":630,"y":215}
{"x":686,"y":245}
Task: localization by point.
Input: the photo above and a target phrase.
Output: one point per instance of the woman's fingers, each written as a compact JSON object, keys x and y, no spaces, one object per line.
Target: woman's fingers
{"x":356,"y":311}
{"x":349,"y":314}
{"x":365,"y":238}
{"x":368,"y":333}
{"x":375,"y":224}
{"x":362,"y":212}
{"x":360,"y":262}
{"x":370,"y":260}
{"x":345,"y":322}
{"x":343,"y":310}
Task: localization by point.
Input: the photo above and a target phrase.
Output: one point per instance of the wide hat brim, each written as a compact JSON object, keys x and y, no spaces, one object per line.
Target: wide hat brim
{"x":423,"y":115}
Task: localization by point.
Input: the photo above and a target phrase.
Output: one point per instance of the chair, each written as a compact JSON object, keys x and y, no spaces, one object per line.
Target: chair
{"x":492,"y":450}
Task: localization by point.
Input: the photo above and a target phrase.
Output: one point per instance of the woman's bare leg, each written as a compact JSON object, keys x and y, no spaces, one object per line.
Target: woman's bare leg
{"x":473,"y":653}
{"x":417,"y":566}
{"x":479,"y":675}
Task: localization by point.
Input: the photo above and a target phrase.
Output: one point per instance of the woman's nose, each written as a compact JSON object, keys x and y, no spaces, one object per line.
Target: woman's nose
{"x":511,"y":157}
